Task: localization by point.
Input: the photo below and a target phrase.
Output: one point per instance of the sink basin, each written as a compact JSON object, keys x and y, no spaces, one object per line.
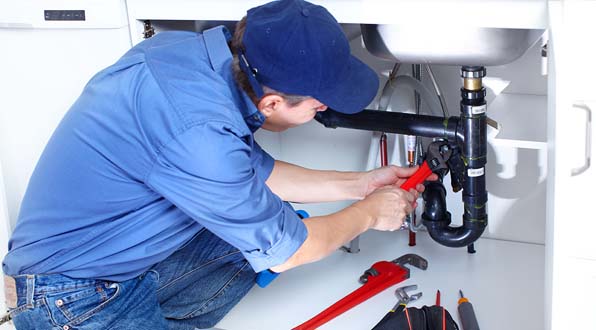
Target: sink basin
{"x":452,"y":45}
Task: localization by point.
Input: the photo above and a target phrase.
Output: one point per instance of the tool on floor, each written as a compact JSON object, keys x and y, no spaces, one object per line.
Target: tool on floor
{"x":267,"y":276}
{"x":423,"y":318}
{"x":466,"y":313}
{"x":402,"y":300}
{"x":377,"y":278}
{"x":411,"y":318}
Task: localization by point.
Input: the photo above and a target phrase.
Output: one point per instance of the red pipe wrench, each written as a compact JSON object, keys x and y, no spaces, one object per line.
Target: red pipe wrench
{"x":377,"y":278}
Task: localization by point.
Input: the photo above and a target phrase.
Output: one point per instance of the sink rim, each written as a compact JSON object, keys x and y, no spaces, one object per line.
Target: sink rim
{"x":459,"y":45}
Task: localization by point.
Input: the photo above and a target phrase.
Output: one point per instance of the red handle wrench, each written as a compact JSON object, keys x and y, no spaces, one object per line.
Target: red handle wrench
{"x":377,"y":278}
{"x":436,"y":159}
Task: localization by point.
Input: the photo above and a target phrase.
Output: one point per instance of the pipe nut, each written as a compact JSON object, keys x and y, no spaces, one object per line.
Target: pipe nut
{"x":473,"y":72}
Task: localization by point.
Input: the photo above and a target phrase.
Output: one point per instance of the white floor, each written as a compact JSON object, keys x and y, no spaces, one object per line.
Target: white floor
{"x":503,"y":280}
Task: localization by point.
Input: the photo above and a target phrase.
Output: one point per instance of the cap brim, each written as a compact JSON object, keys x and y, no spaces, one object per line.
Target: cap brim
{"x":354,"y":90}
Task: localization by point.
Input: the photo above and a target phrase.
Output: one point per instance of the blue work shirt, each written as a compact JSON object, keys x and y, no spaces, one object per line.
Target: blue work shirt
{"x":157,"y":147}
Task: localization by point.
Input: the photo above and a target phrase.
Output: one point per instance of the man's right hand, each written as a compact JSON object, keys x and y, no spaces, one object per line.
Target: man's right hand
{"x":387,"y":207}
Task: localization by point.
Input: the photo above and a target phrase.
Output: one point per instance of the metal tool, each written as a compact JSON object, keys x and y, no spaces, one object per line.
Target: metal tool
{"x":435,"y":161}
{"x":437,"y":156}
{"x":466,"y":313}
{"x":377,"y":278}
{"x":404,"y":298}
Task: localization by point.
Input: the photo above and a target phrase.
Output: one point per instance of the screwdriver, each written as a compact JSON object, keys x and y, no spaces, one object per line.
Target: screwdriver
{"x":466,"y":313}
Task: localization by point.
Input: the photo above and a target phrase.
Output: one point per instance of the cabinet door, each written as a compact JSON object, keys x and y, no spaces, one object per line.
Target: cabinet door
{"x":571,"y":223}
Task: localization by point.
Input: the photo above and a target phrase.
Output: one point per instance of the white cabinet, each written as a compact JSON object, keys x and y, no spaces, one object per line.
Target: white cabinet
{"x":45,"y":64}
{"x":571,"y":252}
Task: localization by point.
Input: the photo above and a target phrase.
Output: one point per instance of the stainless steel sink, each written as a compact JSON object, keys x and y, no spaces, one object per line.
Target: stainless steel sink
{"x":453,"y":45}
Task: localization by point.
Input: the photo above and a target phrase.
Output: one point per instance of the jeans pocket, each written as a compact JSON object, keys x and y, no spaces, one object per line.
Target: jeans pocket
{"x":74,"y":307}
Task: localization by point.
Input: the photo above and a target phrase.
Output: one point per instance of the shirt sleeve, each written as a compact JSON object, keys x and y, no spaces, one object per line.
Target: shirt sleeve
{"x":217,"y":176}
{"x":262,"y":162}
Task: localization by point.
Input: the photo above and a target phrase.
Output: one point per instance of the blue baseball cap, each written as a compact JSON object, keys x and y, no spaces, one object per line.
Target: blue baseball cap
{"x":296,"y":47}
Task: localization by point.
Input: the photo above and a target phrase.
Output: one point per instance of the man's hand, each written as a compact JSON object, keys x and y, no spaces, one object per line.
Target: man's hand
{"x":384,"y":209}
{"x":391,"y":175}
{"x":387,"y":207}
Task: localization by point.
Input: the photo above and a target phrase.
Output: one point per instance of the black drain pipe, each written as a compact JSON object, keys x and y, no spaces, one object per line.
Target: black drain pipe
{"x":473,"y":147}
{"x":468,"y":132}
{"x":394,"y":122}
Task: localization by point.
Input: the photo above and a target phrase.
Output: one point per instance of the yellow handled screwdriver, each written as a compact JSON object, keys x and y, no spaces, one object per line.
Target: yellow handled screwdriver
{"x":466,"y":313}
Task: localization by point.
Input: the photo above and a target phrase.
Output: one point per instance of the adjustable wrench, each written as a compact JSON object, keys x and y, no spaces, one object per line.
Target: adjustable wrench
{"x":437,"y":155}
{"x":377,"y":278}
{"x":436,"y":160}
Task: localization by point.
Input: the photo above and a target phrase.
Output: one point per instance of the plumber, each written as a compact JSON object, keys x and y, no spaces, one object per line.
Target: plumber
{"x":152,"y":205}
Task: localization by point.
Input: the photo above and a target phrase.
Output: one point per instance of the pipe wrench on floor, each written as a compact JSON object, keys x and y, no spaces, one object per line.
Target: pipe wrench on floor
{"x":377,"y":278}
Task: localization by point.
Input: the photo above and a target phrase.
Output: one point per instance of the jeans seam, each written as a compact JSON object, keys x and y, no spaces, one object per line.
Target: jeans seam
{"x":23,"y":308}
{"x":49,"y":312}
{"x":195,"y":269}
{"x":217,"y":294}
{"x":95,"y":310}
{"x":65,"y":288}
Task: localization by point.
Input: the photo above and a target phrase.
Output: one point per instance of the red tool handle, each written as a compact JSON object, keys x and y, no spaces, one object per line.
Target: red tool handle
{"x":388,"y":274}
{"x":418,"y":177}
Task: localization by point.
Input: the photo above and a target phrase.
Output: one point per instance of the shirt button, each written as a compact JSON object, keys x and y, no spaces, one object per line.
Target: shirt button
{"x":255,"y":117}
{"x":66,"y":327}
{"x":59,"y":302}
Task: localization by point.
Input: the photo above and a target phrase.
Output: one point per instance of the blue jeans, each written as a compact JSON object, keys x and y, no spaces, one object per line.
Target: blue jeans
{"x":191,"y":289}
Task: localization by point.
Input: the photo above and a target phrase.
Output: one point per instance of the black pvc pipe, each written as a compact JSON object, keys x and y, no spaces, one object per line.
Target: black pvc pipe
{"x":437,"y":220}
{"x":468,"y":131}
{"x":472,"y":124}
{"x":394,"y":122}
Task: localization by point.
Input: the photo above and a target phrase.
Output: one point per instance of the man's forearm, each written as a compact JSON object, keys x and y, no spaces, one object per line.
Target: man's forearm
{"x":326,"y":234}
{"x":298,"y":184}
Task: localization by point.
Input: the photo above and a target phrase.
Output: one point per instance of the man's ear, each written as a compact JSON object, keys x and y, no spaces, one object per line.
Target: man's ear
{"x":269,"y":104}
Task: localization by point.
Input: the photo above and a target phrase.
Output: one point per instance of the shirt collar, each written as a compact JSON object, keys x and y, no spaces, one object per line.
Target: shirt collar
{"x":216,"y":42}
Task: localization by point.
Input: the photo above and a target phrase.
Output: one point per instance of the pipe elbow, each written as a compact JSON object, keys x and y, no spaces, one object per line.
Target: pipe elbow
{"x":435,"y":206}
{"x":437,"y":220}
{"x":460,"y":236}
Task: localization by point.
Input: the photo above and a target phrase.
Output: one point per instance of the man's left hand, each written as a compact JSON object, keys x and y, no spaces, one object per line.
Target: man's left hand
{"x":391,"y":175}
